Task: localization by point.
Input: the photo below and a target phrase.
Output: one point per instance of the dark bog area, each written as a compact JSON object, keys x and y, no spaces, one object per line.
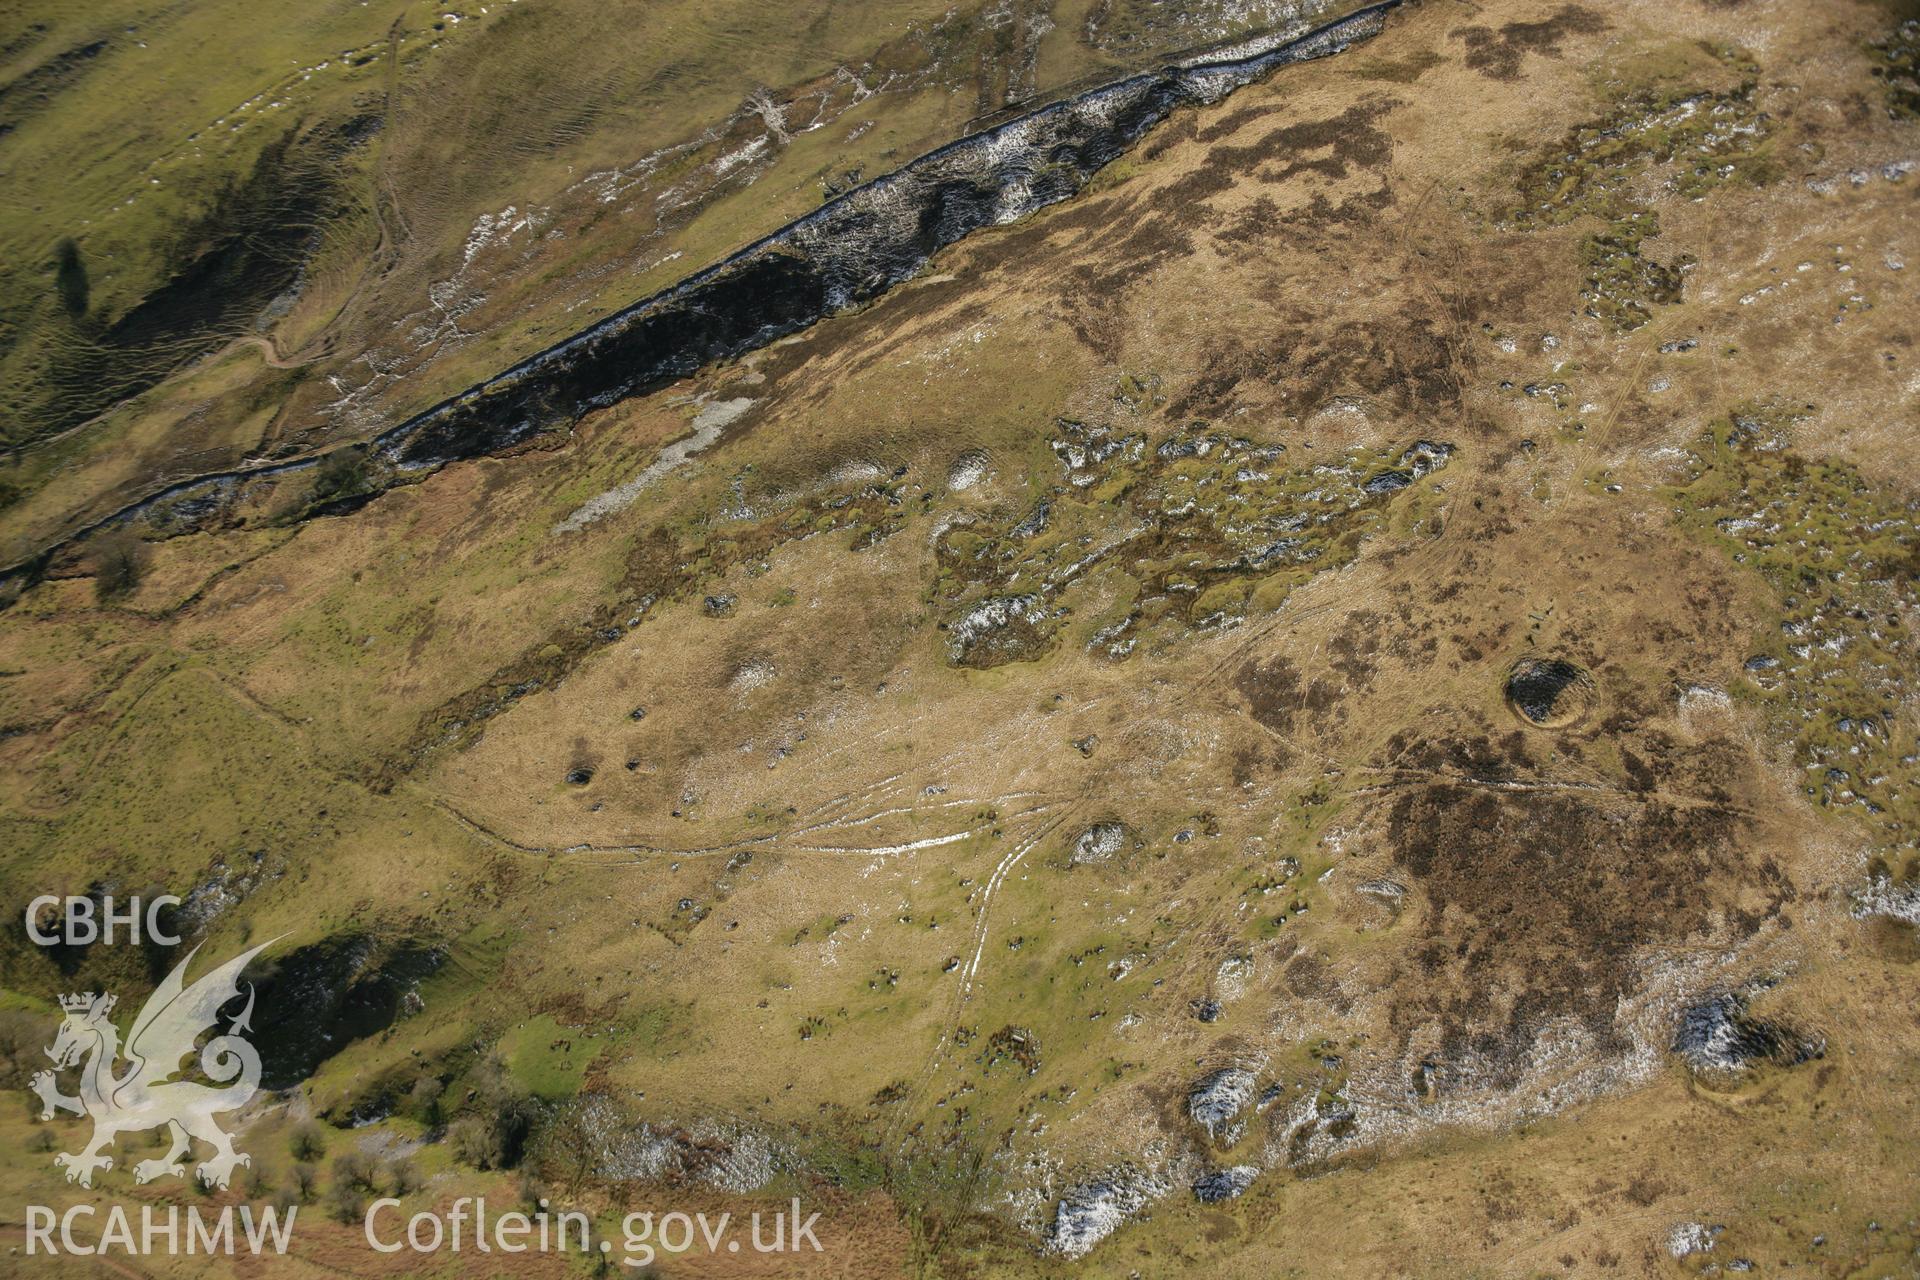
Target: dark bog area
{"x":1539,"y":906}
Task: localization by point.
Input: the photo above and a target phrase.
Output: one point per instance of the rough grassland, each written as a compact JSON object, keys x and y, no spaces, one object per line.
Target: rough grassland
{"x":731,"y":821}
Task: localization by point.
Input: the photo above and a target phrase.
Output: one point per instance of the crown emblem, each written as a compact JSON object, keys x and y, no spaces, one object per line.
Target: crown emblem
{"x":86,"y":1001}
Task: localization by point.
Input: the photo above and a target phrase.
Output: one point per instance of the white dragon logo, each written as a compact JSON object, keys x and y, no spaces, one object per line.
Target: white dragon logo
{"x":146,"y":1096}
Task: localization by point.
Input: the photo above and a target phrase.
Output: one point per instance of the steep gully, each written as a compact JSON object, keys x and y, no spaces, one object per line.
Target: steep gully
{"x":849,"y":251}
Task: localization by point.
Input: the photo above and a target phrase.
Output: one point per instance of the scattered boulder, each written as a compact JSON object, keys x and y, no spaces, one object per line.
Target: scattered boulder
{"x":1091,"y":1211}
{"x":1391,"y":892}
{"x":1888,"y":896}
{"x":1425,"y":456}
{"x":1386,"y":482}
{"x":1418,"y":459}
{"x":1099,"y":842}
{"x":999,"y":629}
{"x":1230,"y":977}
{"x":1690,"y":1238}
{"x":729,"y":1157}
{"x":225,"y":886}
{"x":1718,"y":1038}
{"x":968,"y":470}
{"x":1035,"y":522}
{"x":1216,"y":1102}
{"x":1224,"y":1184}
{"x":752,"y":674}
